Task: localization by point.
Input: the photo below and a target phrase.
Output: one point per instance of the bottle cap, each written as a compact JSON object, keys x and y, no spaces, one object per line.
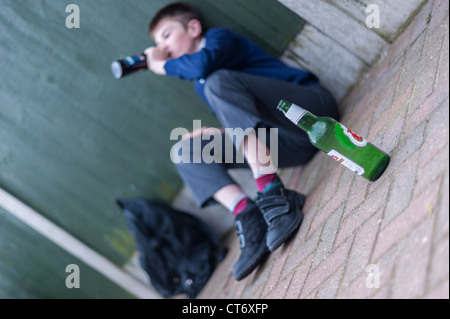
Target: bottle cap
{"x":116,"y":69}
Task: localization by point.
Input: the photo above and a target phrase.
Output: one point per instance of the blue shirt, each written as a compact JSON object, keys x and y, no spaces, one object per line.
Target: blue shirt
{"x":225,"y":49}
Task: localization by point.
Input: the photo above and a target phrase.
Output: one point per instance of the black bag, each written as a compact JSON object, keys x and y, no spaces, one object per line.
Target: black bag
{"x":177,"y":250}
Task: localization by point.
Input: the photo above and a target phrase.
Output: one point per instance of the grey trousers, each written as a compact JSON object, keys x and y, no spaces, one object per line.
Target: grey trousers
{"x":241,"y":100}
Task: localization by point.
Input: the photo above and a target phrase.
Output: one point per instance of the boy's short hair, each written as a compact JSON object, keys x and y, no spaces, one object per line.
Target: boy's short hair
{"x":179,"y":11}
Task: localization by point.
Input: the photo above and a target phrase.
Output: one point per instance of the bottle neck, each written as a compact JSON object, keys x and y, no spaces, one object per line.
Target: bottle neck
{"x":307,"y":121}
{"x":298,"y":115}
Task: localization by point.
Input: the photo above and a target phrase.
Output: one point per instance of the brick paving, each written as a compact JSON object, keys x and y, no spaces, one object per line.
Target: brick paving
{"x":398,"y":225}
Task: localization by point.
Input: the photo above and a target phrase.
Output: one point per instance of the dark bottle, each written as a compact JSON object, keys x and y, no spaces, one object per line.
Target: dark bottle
{"x":129,"y":65}
{"x":338,"y":142}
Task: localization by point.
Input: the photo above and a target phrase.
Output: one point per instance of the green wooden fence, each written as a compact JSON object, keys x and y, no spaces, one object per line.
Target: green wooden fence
{"x":73,"y":138}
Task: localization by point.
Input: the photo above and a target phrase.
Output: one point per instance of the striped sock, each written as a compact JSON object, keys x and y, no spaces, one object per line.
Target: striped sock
{"x":264,"y":180}
{"x":240,"y":206}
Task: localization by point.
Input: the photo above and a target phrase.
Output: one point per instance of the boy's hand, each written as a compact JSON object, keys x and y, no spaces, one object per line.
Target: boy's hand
{"x":156,"y":59}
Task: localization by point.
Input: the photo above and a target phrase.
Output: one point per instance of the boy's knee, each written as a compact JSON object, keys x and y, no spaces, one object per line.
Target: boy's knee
{"x":217,"y":81}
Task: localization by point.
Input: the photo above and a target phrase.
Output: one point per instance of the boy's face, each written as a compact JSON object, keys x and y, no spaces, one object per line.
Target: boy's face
{"x":176,"y":40}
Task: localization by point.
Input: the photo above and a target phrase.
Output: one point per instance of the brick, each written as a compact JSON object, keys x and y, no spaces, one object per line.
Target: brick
{"x":421,"y":114}
{"x":312,"y":176}
{"x":299,"y":253}
{"x":295,"y":175}
{"x":428,"y":172}
{"x":297,"y":281}
{"x":360,"y":113}
{"x":439,"y":266}
{"x":229,"y":290}
{"x":438,"y":13}
{"x":319,"y":219}
{"x":356,"y":195}
{"x":386,"y":263}
{"x":238,"y":289}
{"x":331,"y":183}
{"x":381,"y":293}
{"x":440,"y":292}
{"x":225,"y":281}
{"x":397,"y":51}
{"x":424,"y":81}
{"x":286,"y":175}
{"x":292,"y":280}
{"x":362,"y":248}
{"x":358,"y":289}
{"x":354,"y":97}
{"x":437,"y":134}
{"x":352,"y":113}
{"x":334,"y":202}
{"x":281,"y":288}
{"x":343,"y":185}
{"x":397,"y":229}
{"x":386,"y":96}
{"x":388,"y":79}
{"x":326,"y":268}
{"x":329,"y":288}
{"x":327,"y":237}
{"x":257,"y":281}
{"x":372,"y":205}
{"x":411,"y":267}
{"x":378,"y":72}
{"x":442,"y":210}
{"x":279,"y":259}
{"x":401,"y":101}
{"x":411,"y":63}
{"x":302,"y":234}
{"x":313,"y":199}
{"x":443,"y":73}
{"x":433,"y":43}
{"x":407,"y":148}
{"x":402,"y":189}
{"x":393,"y":133}
{"x":422,"y":20}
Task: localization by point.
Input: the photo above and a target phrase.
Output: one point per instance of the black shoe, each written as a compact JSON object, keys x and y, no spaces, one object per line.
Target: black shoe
{"x":251,"y":230}
{"x":282,"y":211}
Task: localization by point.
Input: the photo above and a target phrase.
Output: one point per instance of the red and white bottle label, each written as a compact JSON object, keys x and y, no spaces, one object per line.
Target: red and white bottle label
{"x":338,"y":157}
{"x":354,"y":138}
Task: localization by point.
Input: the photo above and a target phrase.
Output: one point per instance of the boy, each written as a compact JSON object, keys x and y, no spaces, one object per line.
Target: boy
{"x":242,"y":85}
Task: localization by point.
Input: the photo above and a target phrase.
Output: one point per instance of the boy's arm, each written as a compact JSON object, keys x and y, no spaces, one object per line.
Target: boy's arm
{"x":156,"y":59}
{"x":223,"y":50}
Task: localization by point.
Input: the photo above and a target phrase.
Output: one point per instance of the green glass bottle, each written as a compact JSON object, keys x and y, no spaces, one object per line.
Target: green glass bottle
{"x":338,"y":142}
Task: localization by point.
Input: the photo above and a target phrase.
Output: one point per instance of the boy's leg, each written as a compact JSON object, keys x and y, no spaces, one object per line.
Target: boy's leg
{"x":209,"y":182}
{"x":242,"y":100}
{"x":248,"y":106}
{"x":246,"y":101}
{"x":206,"y":173}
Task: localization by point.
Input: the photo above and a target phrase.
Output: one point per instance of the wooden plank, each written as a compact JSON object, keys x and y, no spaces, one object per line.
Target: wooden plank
{"x":73,"y":137}
{"x":393,"y":14}
{"x":339,"y":26}
{"x":83,"y":256}
{"x":276,"y":16}
{"x":256,"y":19}
{"x":337,"y":68}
